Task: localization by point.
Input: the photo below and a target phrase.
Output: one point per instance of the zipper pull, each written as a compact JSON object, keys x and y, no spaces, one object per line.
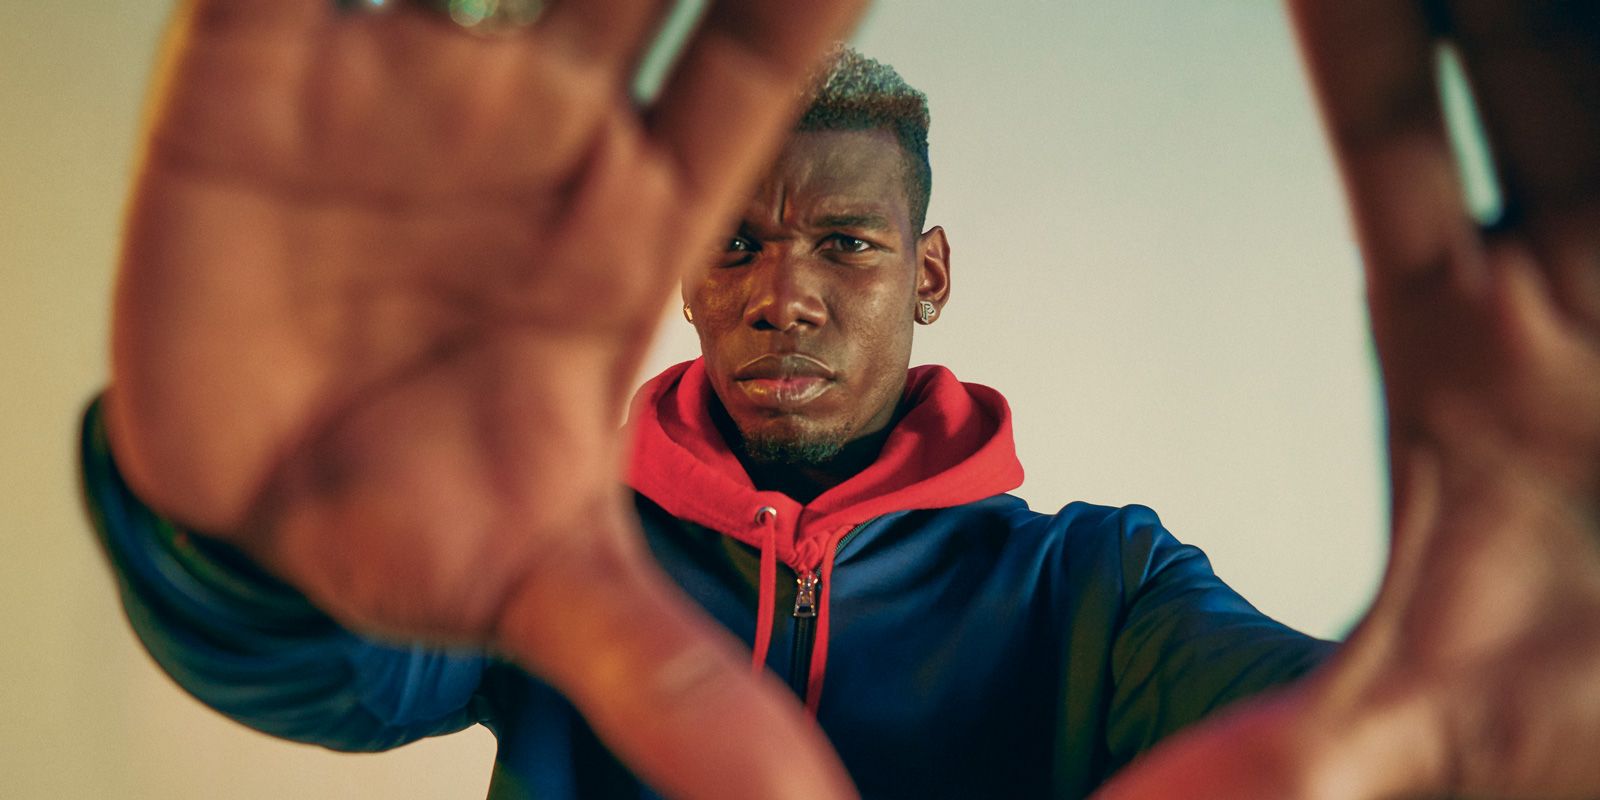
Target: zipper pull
{"x":805,"y":596}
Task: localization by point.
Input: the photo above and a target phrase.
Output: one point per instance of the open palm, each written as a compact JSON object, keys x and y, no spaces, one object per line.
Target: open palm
{"x":1477,"y":672}
{"x":385,"y":288}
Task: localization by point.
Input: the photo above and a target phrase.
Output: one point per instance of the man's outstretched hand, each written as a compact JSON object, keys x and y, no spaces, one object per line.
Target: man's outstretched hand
{"x":385,"y":288}
{"x":1477,"y":672}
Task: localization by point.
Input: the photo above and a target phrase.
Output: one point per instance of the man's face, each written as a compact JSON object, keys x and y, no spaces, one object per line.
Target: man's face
{"x":806,"y":319}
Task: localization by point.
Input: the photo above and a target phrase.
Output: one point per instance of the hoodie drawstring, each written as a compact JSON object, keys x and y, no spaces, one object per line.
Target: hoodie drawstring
{"x":819,"y":647}
{"x":767,"y":516}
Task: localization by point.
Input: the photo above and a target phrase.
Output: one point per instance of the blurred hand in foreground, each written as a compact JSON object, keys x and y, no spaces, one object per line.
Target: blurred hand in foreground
{"x":1477,"y":671}
{"x":385,"y":289}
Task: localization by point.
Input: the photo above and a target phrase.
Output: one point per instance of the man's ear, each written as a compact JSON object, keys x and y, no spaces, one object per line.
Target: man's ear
{"x":688,"y":286}
{"x":933,"y":267}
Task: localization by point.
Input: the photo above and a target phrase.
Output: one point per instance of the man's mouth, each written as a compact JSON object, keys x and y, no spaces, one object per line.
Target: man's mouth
{"x":783,"y":381}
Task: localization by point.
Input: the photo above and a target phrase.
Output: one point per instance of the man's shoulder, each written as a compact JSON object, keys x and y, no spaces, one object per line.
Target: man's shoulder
{"x":1083,"y":543}
{"x":1076,"y":524}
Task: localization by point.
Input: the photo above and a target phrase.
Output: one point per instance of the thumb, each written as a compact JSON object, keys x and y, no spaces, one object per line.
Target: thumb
{"x":666,"y":688}
{"x":1286,"y":746}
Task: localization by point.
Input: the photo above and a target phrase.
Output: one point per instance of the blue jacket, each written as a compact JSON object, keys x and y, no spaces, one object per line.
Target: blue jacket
{"x":950,"y":641}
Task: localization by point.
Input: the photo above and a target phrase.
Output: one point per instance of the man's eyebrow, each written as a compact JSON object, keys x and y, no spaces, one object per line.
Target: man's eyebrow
{"x":857,"y":220}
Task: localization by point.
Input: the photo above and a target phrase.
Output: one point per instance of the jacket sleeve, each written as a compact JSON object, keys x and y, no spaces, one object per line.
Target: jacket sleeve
{"x":1187,"y":644}
{"x":251,"y":647}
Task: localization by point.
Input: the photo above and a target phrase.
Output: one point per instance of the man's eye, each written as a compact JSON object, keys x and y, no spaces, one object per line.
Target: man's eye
{"x":738,"y":251}
{"x":849,"y":244}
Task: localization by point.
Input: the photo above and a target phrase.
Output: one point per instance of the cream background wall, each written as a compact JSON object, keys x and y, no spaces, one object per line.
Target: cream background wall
{"x":1151,"y":260}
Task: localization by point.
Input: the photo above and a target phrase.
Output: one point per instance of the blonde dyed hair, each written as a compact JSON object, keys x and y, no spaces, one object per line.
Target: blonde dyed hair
{"x":853,"y":92}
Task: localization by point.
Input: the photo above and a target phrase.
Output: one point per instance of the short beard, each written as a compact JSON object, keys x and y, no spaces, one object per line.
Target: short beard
{"x":791,"y":452}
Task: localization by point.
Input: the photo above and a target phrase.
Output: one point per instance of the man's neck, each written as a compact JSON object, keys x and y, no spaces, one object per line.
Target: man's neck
{"x":806,"y":482}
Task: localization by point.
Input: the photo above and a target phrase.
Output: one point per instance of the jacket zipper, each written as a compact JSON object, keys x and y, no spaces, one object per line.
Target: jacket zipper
{"x":805,"y":634}
{"x":807,"y":583}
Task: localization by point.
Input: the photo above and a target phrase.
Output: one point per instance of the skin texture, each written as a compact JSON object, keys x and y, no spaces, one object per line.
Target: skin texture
{"x":825,"y":265}
{"x":1475,"y":672}
{"x":374,"y":327}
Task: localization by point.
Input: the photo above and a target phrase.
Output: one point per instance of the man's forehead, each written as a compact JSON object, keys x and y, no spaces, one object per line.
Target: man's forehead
{"x":839,"y":152}
{"x":816,"y":206}
{"x":836,"y":175}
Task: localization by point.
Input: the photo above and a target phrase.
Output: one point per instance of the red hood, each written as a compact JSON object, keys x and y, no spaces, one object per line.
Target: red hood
{"x":952,"y":447}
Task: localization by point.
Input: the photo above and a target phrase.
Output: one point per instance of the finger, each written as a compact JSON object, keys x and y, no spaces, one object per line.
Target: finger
{"x":1535,"y":70}
{"x":1248,"y":755}
{"x":260,"y":14}
{"x":1285,"y":745}
{"x":736,"y":90}
{"x":670,"y":693}
{"x":613,"y":33}
{"x":1372,"y":64}
{"x":1534,"y":66}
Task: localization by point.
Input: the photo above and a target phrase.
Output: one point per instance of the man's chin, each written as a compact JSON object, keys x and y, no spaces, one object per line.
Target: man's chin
{"x":786,"y":439}
{"x":792,"y":452}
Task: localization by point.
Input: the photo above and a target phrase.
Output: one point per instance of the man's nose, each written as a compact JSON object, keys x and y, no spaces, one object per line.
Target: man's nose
{"x":786,"y":295}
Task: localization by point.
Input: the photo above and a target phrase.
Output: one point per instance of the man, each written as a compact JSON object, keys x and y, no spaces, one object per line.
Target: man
{"x":399,"y":397}
{"x":975,"y":647}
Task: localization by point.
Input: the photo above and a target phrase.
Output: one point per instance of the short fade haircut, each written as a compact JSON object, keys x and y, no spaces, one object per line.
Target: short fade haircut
{"x":852,"y":92}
